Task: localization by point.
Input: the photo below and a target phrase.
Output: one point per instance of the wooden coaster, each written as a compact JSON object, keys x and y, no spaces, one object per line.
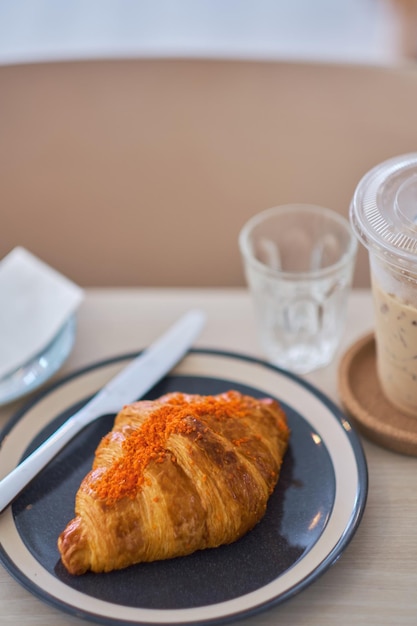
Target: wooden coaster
{"x":364,"y":401}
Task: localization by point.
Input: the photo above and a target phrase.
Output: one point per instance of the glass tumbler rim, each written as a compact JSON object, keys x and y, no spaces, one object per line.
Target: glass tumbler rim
{"x":321,"y":273}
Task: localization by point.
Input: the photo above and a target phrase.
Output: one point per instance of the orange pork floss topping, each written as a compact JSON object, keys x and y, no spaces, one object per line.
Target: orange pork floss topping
{"x":125,"y":476}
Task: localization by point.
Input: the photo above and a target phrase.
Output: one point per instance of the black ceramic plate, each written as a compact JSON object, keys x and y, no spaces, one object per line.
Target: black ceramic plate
{"x":311,"y":516}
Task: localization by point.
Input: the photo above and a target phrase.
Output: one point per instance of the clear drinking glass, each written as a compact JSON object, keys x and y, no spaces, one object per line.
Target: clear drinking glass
{"x":384,"y":217}
{"x":299,"y":261}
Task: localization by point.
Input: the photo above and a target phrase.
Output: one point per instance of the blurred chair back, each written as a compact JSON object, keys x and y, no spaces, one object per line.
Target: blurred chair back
{"x":142,"y":172}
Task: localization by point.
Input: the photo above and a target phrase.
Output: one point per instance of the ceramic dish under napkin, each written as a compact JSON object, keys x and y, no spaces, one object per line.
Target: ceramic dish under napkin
{"x":37,"y":322}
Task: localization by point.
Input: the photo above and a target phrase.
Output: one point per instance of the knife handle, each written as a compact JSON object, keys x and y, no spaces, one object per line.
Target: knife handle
{"x":12,"y":484}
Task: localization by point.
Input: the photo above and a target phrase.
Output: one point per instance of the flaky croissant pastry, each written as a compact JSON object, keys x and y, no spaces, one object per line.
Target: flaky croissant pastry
{"x":176,"y":475}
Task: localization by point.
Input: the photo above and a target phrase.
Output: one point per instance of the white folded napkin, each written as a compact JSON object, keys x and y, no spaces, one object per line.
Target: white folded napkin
{"x":35,"y":302}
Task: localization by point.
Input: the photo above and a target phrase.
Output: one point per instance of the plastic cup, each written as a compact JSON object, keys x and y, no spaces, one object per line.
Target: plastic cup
{"x":384,"y":217}
{"x":299,"y":261}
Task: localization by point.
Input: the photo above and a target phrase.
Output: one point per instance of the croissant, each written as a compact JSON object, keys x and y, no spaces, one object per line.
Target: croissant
{"x":176,"y":475}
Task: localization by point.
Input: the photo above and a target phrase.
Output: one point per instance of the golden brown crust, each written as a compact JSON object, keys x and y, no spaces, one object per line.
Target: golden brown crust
{"x":206,"y":484}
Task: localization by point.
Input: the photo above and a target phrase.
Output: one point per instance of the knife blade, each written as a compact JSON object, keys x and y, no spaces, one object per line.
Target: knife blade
{"x":129,"y":385}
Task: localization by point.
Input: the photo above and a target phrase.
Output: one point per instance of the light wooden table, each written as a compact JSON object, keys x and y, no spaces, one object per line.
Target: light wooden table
{"x":375,"y":580}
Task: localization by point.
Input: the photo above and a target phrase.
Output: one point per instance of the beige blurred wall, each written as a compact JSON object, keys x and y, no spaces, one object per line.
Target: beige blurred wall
{"x":142,"y":172}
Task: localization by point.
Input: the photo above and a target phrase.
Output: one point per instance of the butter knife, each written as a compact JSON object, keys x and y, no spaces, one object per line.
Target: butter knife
{"x":127,"y":386}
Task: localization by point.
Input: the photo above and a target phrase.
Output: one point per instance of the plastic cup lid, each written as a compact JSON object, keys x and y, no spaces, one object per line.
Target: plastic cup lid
{"x":383,"y":212}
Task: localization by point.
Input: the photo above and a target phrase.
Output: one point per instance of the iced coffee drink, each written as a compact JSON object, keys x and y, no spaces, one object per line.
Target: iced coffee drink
{"x":384,"y":217}
{"x":396,"y":329}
